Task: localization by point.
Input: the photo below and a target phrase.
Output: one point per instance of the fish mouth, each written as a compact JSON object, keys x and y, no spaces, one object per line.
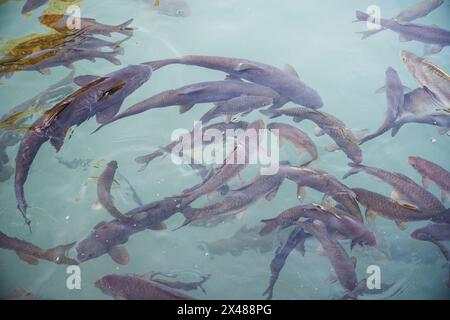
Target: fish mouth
{"x":404,"y":55}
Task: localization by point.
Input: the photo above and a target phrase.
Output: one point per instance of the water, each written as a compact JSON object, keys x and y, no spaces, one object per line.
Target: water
{"x":316,"y":37}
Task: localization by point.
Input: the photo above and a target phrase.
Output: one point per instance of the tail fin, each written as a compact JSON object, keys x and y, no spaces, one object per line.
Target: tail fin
{"x":271,"y":113}
{"x":111,"y":56}
{"x":269,"y":227}
{"x":204,"y":279}
{"x":59,"y":254}
{"x":145,"y":160}
{"x":361,"y":16}
{"x":355,"y":168}
{"x":125,"y":29}
{"x":188,"y":213}
{"x":366,"y":34}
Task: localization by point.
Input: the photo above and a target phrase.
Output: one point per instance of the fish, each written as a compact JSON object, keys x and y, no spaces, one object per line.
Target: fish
{"x":104,"y":184}
{"x":404,"y":187}
{"x":296,"y":238}
{"x":173,"y":8}
{"x":75,"y":163}
{"x":132,"y":287}
{"x":107,"y":237}
{"x":438,"y":119}
{"x":433,"y":232}
{"x":429,"y":76}
{"x":330,"y":125}
{"x":221,"y":126}
{"x":322,"y":182}
{"x":240,"y":105}
{"x":99,"y":96}
{"x":242,"y":240}
{"x":31,"y":253}
{"x":236,"y":200}
{"x":431,"y":171}
{"x":185,"y":286}
{"x":62,"y":24}
{"x":379,"y":205}
{"x":337,"y":221}
{"x":342,"y":264}
{"x":204,"y":92}
{"x":286,"y":82}
{"x":31,"y":5}
{"x":409,"y":31}
{"x":394,"y":100}
{"x":43,"y":60}
{"x":230,"y":167}
{"x":297,"y":137}
{"x":416,"y":11}
{"x":417,"y":101}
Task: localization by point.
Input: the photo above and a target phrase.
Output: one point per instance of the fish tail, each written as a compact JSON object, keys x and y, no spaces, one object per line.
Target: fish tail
{"x":361,"y":16}
{"x":125,"y":29}
{"x":271,"y":113}
{"x":366,"y":34}
{"x":111,"y":56}
{"x":59,"y":254}
{"x":145,"y":160}
{"x":355,"y":168}
{"x":269,"y":226}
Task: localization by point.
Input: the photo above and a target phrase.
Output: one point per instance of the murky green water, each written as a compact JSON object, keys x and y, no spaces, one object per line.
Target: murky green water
{"x":316,"y":37}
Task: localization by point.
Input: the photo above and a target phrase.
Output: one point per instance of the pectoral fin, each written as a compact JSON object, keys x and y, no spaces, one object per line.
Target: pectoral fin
{"x":27,"y":258}
{"x":401,"y":225}
{"x":271,"y":195}
{"x":119,"y":255}
{"x":291,"y":71}
{"x":82,"y":81}
{"x":185,"y":108}
{"x":107,"y":114}
{"x":370,"y":216}
{"x":381,"y":90}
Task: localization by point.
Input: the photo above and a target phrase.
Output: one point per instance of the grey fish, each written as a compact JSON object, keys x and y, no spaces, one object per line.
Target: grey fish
{"x":128,"y":287}
{"x":325,"y":183}
{"x":433,"y":231}
{"x":204,"y":92}
{"x":342,"y":264}
{"x":342,"y":223}
{"x":173,"y":8}
{"x":229,"y":169}
{"x":62,"y":23}
{"x":429,"y":76}
{"x":106,"y":237}
{"x":411,"y":31}
{"x":101,"y":97}
{"x":333,"y":127}
{"x":379,"y":205}
{"x":298,"y":138}
{"x":221,"y":126}
{"x":431,"y":171}
{"x":244,"y":239}
{"x":31,"y":5}
{"x":394,"y":100}
{"x":416,"y":11}
{"x":75,"y":163}
{"x":104,"y":183}
{"x":296,"y":239}
{"x":239,"y":105}
{"x":404,"y":186}
{"x":438,"y":119}
{"x":185,"y":286}
{"x":236,"y":200}
{"x":287,"y":83}
{"x":31,"y":253}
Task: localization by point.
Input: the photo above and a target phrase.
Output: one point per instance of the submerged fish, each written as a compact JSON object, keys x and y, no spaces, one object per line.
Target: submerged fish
{"x":344,"y":225}
{"x":404,"y":187}
{"x":296,"y":239}
{"x":429,"y":76}
{"x":379,"y":205}
{"x":31,"y":5}
{"x":130,"y":287}
{"x":430,"y":171}
{"x":433,"y":232}
{"x":100,"y":97}
{"x":173,"y":8}
{"x":298,"y":138}
{"x":411,"y":31}
{"x":333,"y":127}
{"x":243,"y":105}
{"x":323,"y":182}
{"x":236,"y":200}
{"x":185,"y":286}
{"x":394,"y":100}
{"x":31,"y":254}
{"x":62,"y":23}
{"x":416,"y":11}
{"x":438,"y":119}
{"x":204,"y":92}
{"x":287,"y":83}
{"x":417,"y":101}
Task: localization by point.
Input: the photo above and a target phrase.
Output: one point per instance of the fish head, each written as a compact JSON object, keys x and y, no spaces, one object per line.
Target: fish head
{"x":421,"y":234}
{"x":106,"y":285}
{"x":414,"y":162}
{"x":91,"y":248}
{"x":369,"y":239}
{"x":410,"y":60}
